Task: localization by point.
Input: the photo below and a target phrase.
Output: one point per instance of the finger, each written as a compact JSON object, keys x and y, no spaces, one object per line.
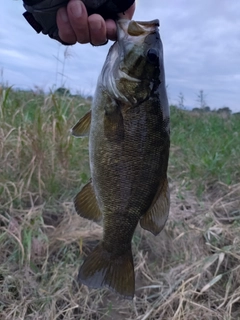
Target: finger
{"x":65,"y":30}
{"x":111,"y":30}
{"x":78,"y":18}
{"x":97,"y":29}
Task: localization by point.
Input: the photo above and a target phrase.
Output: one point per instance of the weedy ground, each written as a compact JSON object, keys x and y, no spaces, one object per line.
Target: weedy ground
{"x":190,"y":271}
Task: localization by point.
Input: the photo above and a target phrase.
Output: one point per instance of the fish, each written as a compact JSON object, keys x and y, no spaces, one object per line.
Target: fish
{"x":129,"y":140}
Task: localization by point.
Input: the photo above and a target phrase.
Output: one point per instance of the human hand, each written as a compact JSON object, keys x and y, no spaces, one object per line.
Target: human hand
{"x":74,"y":24}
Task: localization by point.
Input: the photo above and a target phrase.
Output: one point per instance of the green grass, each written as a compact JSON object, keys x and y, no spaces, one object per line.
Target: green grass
{"x":38,"y":155}
{"x":205,"y":148}
{"x":190,"y":271}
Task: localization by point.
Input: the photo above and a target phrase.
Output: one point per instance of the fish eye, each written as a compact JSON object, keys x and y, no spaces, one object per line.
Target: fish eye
{"x":152,"y":55}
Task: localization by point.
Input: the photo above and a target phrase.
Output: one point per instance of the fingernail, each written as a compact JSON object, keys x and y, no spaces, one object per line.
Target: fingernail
{"x":98,"y":45}
{"x":103,"y":44}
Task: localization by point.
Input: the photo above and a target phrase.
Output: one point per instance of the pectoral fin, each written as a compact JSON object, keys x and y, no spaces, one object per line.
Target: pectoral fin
{"x":113,"y":123}
{"x":86,"y":203}
{"x":156,"y":217}
{"x":82,"y":127}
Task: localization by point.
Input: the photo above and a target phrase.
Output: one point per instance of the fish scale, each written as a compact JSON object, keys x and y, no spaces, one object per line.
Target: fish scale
{"x":129,"y":148}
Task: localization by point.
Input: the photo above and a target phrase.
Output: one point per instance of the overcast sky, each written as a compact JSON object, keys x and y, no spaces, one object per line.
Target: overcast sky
{"x":201,"y":42}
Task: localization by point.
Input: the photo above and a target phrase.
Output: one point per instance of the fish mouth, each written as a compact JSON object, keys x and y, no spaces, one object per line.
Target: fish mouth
{"x":136,"y":28}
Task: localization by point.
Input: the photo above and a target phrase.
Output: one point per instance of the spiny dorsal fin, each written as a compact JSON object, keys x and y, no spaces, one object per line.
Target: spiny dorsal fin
{"x":82,"y":127}
{"x":156,"y":217}
{"x":86,"y":203}
{"x":101,"y":269}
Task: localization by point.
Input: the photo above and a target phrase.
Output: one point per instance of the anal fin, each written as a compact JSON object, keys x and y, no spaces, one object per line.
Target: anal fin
{"x":156,"y":217}
{"x":86,"y":203}
{"x":82,"y":127}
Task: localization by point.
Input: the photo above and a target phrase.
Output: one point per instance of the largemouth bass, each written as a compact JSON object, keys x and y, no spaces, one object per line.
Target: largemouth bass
{"x":129,"y":148}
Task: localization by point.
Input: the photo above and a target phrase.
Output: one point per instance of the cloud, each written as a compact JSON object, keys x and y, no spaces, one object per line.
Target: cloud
{"x":201,"y":51}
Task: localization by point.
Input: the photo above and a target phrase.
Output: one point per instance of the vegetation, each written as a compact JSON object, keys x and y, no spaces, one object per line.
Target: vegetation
{"x":190,"y":271}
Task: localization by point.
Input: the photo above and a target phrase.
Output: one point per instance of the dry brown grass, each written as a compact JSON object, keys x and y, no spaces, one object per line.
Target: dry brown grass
{"x":190,"y":271}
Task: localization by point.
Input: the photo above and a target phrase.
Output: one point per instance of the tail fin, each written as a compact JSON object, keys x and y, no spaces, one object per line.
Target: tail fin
{"x":101,"y":269}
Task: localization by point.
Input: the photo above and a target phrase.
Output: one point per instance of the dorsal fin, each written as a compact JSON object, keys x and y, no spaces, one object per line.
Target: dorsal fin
{"x":82,"y":127}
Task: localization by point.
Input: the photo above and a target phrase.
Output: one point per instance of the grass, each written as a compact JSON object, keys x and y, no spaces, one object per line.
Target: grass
{"x":205,"y":148}
{"x":190,"y":271}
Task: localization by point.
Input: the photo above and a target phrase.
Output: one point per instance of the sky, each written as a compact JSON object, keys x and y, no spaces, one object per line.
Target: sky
{"x":201,"y":42}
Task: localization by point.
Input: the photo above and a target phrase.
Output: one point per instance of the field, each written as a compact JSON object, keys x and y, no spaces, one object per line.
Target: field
{"x":190,"y":271}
